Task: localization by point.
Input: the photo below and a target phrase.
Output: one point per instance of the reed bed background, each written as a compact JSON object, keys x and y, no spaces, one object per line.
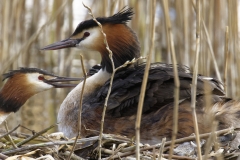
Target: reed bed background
{"x":28,"y":25}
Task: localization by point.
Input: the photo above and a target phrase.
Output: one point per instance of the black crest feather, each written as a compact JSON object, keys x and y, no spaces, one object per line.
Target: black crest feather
{"x":25,"y":70}
{"x":122,"y":17}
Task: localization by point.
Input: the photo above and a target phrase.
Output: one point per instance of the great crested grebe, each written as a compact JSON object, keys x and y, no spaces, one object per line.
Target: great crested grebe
{"x":157,"y":118}
{"x":23,"y":83}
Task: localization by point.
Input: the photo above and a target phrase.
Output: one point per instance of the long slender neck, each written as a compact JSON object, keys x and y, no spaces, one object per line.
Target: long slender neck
{"x":91,"y":85}
{"x":124,"y":44}
{"x":68,"y":113}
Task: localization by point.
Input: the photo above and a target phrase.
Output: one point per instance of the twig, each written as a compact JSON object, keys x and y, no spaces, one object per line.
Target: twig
{"x":129,"y":62}
{"x":24,"y":136}
{"x":83,"y":140}
{"x":210,"y":140}
{"x":30,"y":147}
{"x":8,"y":133}
{"x":69,"y":154}
{"x":120,"y":155}
{"x":111,"y":80}
{"x":110,"y":152}
{"x":85,"y":128}
{"x":194,"y":80}
{"x":35,"y":146}
{"x":8,"y":136}
{"x":114,"y":150}
{"x":130,"y":150}
{"x":2,"y":156}
{"x":35,"y":136}
{"x":161,"y":149}
{"x":32,"y":131}
{"x":177,"y":157}
{"x":80,"y":108}
{"x":120,"y":146}
{"x":217,"y":147}
{"x":18,"y":139}
{"x":144,"y":84}
{"x":176,"y":78}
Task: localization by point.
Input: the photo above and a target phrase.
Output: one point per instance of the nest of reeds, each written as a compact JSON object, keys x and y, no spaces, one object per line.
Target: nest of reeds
{"x":221,"y":144}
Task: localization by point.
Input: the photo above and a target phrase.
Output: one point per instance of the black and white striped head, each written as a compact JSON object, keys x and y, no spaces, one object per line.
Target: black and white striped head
{"x":121,"y":39}
{"x":36,"y":79}
{"x":23,"y":83}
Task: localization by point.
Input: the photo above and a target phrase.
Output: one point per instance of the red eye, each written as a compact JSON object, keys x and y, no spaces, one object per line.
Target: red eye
{"x":86,"y":34}
{"x":40,"y":78}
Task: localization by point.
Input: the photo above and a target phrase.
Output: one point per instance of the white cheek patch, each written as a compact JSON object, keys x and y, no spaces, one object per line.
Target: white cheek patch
{"x":37,"y":84}
{"x":90,"y":41}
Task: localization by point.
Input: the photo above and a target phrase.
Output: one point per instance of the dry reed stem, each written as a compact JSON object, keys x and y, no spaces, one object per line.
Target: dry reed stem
{"x":210,"y":140}
{"x":186,"y":31}
{"x":232,"y":50}
{"x":144,"y":83}
{"x":27,"y":44}
{"x":130,"y":150}
{"x":18,"y":139}
{"x":8,"y":133}
{"x":122,"y":66}
{"x":233,"y":19}
{"x":194,"y":80}
{"x":176,"y":78}
{"x":208,"y":106}
{"x":121,"y":155}
{"x":23,"y":23}
{"x":161,"y":149}
{"x":125,"y":151}
{"x":113,"y":149}
{"x":40,"y":145}
{"x":5,"y":28}
{"x":21,"y":135}
{"x":129,"y":63}
{"x":118,"y":150}
{"x":209,"y":45}
{"x":9,"y":136}
{"x":80,"y":107}
{"x":68,"y":154}
{"x":226,"y":53}
{"x":111,"y":80}
{"x":34,"y":136}
{"x":2,"y":156}
{"x":178,"y":157}
{"x":211,"y":51}
{"x":208,"y":10}
{"x":217,"y":148}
